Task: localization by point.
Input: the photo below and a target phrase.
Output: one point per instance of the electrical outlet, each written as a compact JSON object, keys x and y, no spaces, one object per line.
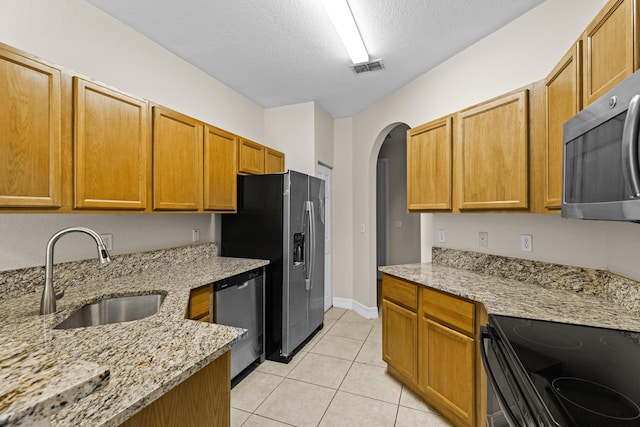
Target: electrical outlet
{"x":196,"y":235}
{"x":442,"y":238}
{"x":108,"y":241}
{"x":526,"y":243}
{"x":483,"y":239}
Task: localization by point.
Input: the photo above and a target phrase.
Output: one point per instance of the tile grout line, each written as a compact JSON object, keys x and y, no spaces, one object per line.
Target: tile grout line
{"x":338,"y":388}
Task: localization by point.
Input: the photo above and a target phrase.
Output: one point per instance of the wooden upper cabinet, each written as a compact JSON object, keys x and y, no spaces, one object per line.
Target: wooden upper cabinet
{"x":177,"y":161}
{"x":250,"y":157}
{"x":220,"y":160}
{"x":273,"y":161}
{"x":30,"y":129}
{"x":609,"y":45}
{"x":492,"y":154}
{"x":111,"y":148}
{"x":563,"y":96}
{"x":429,"y":157}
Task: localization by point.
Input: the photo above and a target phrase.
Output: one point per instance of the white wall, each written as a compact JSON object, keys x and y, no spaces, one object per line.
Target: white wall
{"x":78,"y":36}
{"x":520,"y":53}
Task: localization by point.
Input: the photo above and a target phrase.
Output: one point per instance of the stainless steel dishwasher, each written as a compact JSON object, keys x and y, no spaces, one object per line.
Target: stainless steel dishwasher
{"x":239,"y":302}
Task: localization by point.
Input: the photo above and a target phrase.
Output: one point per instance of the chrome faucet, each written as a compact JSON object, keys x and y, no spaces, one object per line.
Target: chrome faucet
{"x":49,"y":296}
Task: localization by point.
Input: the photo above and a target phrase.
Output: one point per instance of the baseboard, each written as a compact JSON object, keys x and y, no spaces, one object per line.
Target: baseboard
{"x":361,"y":309}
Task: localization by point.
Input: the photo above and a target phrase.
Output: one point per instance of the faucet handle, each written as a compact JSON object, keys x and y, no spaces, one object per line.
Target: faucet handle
{"x":60,"y":294}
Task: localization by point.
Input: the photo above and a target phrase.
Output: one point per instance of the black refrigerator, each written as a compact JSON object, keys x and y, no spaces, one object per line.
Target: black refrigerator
{"x":281,"y":218}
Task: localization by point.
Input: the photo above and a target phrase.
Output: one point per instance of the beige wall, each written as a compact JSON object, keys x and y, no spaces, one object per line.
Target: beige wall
{"x":291,"y":129}
{"x":78,"y":36}
{"x":522,"y":52}
{"x":323,"y":133}
{"x":304,"y":132}
{"x":343,"y":224}
{"x":403,"y":227}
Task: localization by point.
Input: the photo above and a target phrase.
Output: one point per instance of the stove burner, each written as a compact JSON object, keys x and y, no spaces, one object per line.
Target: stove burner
{"x":621,"y":343}
{"x":593,"y":404}
{"x":548,"y":337}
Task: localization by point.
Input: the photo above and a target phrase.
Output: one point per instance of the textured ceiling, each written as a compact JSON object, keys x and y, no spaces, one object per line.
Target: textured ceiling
{"x":281,"y":52}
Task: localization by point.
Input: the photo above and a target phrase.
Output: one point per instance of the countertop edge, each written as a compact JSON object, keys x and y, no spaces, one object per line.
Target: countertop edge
{"x":509,"y":297}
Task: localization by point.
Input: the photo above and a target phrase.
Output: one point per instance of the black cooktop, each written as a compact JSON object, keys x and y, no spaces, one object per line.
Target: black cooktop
{"x":586,"y":376}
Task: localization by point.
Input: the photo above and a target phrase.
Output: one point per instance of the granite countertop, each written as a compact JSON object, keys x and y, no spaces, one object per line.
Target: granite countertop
{"x":509,"y":297}
{"x":129,"y":364}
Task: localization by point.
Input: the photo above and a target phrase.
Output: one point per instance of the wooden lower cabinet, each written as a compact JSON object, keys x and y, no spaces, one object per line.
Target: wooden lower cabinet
{"x":433,"y":348}
{"x":400,"y":338}
{"x":446,"y":360}
{"x":200,"y":304}
{"x":204,"y":399}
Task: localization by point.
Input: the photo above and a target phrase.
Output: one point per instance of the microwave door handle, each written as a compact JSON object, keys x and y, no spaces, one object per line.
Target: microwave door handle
{"x":630,"y":168}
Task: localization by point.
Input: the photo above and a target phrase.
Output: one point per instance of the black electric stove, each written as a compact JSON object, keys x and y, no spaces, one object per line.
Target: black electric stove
{"x":556,"y":374}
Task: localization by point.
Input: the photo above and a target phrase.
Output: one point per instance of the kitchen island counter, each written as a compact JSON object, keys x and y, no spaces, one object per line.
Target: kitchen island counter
{"x":509,"y":297}
{"x":145,"y":358}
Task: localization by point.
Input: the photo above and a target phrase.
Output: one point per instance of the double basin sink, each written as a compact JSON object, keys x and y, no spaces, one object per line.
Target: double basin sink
{"x":114,"y":310}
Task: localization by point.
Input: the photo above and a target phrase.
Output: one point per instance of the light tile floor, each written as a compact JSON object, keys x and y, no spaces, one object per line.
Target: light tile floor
{"x":337,"y":379}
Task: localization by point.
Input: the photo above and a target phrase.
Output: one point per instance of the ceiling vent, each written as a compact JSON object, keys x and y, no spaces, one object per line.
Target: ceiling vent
{"x":363,"y":67}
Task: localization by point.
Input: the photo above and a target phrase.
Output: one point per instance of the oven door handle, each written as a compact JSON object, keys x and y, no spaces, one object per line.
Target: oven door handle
{"x":485,"y":337}
{"x":630,"y":168}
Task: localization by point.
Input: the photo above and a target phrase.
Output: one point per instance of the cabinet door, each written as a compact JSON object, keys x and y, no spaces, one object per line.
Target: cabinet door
{"x":30,"y":126}
{"x":429,"y":155}
{"x":111,"y":147}
{"x":492,"y":154}
{"x":177,"y":161}
{"x":250,"y":157}
{"x":399,"y":338}
{"x":220,"y":160}
{"x":563,"y":95}
{"x":609,"y":48}
{"x":200,"y":304}
{"x":273,"y":161}
{"x":447,"y":369}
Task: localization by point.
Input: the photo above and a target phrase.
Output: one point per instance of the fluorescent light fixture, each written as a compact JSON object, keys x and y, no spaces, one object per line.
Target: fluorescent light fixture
{"x":342,"y":19}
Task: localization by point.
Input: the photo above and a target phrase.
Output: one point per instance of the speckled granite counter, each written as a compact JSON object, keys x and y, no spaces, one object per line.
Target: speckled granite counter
{"x":514,"y":298}
{"x":146,"y":358}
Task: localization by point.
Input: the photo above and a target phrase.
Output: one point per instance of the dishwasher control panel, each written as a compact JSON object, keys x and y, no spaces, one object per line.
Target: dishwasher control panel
{"x":236,"y":280}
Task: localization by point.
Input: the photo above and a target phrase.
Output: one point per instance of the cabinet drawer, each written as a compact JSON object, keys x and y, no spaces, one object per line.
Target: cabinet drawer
{"x":451,"y":310}
{"x":401,"y":292}
{"x":199,"y":303}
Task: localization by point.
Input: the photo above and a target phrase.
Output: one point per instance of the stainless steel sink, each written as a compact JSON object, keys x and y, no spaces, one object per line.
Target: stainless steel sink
{"x":113,"y":310}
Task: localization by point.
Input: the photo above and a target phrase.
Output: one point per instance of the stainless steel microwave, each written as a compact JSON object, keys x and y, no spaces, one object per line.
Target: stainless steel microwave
{"x":600,"y":171}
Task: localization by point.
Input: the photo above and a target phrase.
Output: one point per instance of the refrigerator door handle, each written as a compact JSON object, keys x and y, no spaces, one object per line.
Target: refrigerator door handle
{"x":309,"y":210}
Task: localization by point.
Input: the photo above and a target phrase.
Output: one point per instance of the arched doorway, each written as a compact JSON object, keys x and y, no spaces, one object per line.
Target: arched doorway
{"x":397,"y":231}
